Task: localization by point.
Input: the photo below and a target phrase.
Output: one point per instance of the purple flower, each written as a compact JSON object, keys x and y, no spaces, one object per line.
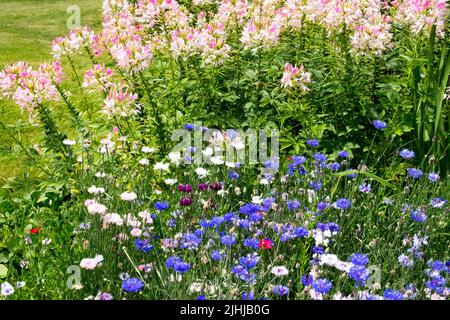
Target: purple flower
{"x":379,"y":125}
{"x":251,"y":243}
{"x":202,"y":186}
{"x":201,"y":297}
{"x":132,"y":285}
{"x":406,"y":154}
{"x":187,"y":201}
{"x":184,"y":188}
{"x":189,"y":126}
{"x":405,"y":261}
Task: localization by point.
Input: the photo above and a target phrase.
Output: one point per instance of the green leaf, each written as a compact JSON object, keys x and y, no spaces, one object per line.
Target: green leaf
{"x":3,"y":271}
{"x":368,"y":174}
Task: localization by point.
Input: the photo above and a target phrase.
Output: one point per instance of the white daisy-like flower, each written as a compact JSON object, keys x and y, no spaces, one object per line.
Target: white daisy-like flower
{"x":161,"y":166}
{"x":280,"y":271}
{"x":170,"y":182}
{"x":128,"y":196}
{"x":68,"y":142}
{"x":201,"y":172}
{"x":147,"y":150}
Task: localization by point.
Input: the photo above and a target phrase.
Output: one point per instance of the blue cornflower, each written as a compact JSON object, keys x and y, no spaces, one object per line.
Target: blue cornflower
{"x":171,"y":223}
{"x":414,"y":173}
{"x":322,"y":286}
{"x":228,"y":240}
{"x":418,"y":215}
{"x":267,"y":204}
{"x":233,"y":175}
{"x":359,"y":259}
{"x":379,"y":125}
{"x":217,"y":255}
{"x":438,"y":265}
{"x":298,"y":160}
{"x":343,"y":154}
{"x":318,"y":250}
{"x":248,"y":296}
{"x":335,"y":166}
{"x":273,"y":163}
{"x":322,"y":206}
{"x":433,"y":177}
{"x":316,"y":185}
{"x":249,"y":261}
{"x":201,"y":297}
{"x":405,"y":261}
{"x":365,"y":188}
{"x":406,"y":154}
{"x":251,"y":243}
{"x":189,"y":241}
{"x":216,"y":221}
{"x":352,"y":175}
{"x":162,"y":205}
{"x":343,"y":203}
{"x":390,"y":294}
{"x":182,"y":267}
{"x":249,"y":208}
{"x":438,"y":202}
{"x":313,"y":143}
{"x":172,"y":261}
{"x":189,"y":126}
{"x":293,"y":204}
{"x":230,"y":216}
{"x":132,"y":285}
{"x":244,"y":223}
{"x":143,"y":245}
{"x":307,"y":280}
{"x":320,"y":157}
{"x":301,"y":232}
{"x":360,"y":274}
{"x":280,"y":290}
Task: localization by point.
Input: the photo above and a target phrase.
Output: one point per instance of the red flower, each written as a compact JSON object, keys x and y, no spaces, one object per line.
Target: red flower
{"x":266,"y":243}
{"x":35,"y":230}
{"x":289,"y":158}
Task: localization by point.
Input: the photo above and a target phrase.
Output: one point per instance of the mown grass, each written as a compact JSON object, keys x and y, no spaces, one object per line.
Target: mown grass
{"x":26,"y":31}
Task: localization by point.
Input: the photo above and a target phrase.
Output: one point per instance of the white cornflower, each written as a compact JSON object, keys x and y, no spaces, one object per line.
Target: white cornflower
{"x":128,"y":196}
{"x":201,"y":172}
{"x":6,"y":289}
{"x":280,"y":271}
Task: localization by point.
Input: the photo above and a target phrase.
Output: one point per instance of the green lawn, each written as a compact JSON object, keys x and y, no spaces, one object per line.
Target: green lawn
{"x":26,"y":31}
